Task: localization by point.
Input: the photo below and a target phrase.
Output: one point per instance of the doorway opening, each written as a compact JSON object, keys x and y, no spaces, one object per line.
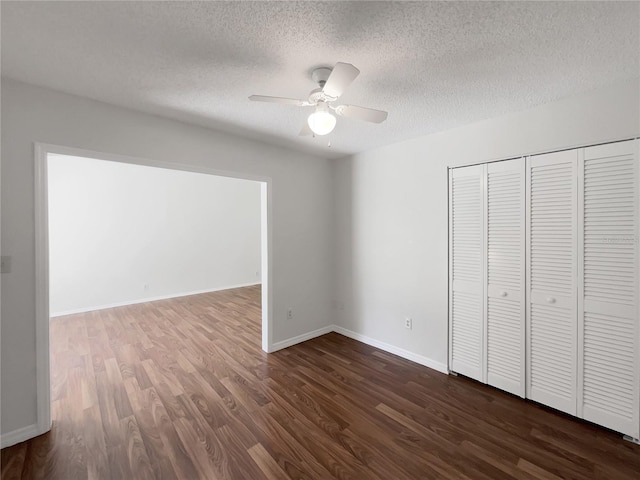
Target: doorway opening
{"x":119,"y":238}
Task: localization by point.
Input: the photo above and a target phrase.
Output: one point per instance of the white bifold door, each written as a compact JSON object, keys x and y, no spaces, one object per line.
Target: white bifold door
{"x":552,"y":279}
{"x":467,"y":271}
{"x":608,"y":326}
{"x":487,"y":273}
{"x":505,"y":309}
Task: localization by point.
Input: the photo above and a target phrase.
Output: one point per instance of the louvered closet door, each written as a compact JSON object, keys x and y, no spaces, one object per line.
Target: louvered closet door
{"x":608,"y":307}
{"x":552,"y":280}
{"x":466,"y":269}
{"x":506,"y":275}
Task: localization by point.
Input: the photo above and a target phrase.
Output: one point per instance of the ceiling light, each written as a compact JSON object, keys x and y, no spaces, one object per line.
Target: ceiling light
{"x":321,"y":121}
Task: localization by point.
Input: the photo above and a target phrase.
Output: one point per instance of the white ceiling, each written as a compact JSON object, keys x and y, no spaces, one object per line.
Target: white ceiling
{"x":432,"y":65}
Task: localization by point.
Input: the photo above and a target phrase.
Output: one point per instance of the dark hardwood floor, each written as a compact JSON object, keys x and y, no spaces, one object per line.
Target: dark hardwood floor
{"x":180,"y":389}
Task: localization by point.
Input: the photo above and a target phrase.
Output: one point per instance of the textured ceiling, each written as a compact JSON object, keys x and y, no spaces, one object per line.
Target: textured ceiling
{"x":432,"y":65}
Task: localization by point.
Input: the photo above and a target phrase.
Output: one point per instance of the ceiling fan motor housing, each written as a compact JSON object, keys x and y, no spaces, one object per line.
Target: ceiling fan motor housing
{"x":316,"y":96}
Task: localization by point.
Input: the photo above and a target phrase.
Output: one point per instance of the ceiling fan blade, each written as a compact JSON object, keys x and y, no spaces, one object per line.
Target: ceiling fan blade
{"x":341,"y":77}
{"x":305,"y":131}
{"x":286,"y":101}
{"x":361,"y":113}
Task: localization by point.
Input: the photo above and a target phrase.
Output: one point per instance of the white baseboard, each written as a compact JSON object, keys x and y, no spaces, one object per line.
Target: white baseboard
{"x":149,"y":299}
{"x":401,"y":352}
{"x":19,"y":435}
{"x":301,"y":338}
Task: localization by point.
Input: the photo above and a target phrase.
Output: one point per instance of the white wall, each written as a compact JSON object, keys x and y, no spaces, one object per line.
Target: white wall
{"x":122,"y":233}
{"x":301,"y":216}
{"x":391,"y":211}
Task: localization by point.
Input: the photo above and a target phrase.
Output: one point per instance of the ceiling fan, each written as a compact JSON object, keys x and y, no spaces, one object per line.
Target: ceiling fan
{"x":332,"y":83}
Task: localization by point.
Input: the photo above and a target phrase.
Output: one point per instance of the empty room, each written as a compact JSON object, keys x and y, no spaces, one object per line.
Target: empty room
{"x":436,"y":275}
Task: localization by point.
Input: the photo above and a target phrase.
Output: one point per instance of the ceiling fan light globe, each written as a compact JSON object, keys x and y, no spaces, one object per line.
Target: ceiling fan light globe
{"x":321,"y":122}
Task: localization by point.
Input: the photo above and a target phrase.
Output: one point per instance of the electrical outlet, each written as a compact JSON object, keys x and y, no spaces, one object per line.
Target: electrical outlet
{"x":289,"y":313}
{"x":408,"y":323}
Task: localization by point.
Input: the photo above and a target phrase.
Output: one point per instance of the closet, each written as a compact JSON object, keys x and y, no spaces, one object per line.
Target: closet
{"x":543,"y":280}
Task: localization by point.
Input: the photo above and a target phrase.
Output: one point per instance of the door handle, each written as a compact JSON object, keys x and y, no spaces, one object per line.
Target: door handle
{"x":551,"y":300}
{"x":503,"y":294}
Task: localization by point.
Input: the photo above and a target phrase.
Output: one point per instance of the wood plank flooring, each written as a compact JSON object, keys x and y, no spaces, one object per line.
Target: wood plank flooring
{"x":180,"y":389}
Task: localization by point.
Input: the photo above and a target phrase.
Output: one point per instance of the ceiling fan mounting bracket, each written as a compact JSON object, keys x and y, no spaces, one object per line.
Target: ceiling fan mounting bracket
{"x":321,"y":75}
